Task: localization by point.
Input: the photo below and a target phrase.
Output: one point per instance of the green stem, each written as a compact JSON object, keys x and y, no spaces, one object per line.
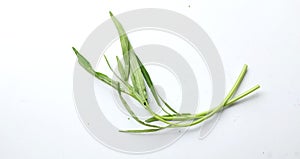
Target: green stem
{"x":205,"y":115}
{"x":131,"y":112}
{"x":188,"y":116}
{"x":218,"y":108}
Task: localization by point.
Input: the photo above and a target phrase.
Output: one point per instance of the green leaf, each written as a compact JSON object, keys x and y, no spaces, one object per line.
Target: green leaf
{"x":167,"y":105}
{"x":140,"y":131}
{"x":124,"y":44}
{"x":130,"y":110}
{"x":83,"y":62}
{"x":88,"y":67}
{"x":121,"y":69}
{"x":137,"y":69}
{"x":131,"y":64}
{"x":137,"y":77}
{"x":112,"y":70}
{"x":152,"y":88}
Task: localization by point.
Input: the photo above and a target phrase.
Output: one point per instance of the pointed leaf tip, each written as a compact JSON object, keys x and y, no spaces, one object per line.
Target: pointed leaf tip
{"x":75,"y":51}
{"x":110,"y":13}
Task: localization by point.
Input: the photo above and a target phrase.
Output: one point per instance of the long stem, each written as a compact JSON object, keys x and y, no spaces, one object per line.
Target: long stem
{"x":188,"y":116}
{"x":230,"y":94}
{"x":205,"y":115}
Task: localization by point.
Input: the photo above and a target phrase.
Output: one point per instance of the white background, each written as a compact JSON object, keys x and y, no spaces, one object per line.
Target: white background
{"x":37,"y":114}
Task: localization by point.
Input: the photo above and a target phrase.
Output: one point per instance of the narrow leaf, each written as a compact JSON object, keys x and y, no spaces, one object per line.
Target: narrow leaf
{"x":88,"y":67}
{"x":137,"y":76}
{"x":121,"y":69}
{"x":152,"y":88}
{"x":139,"y":131}
{"x":124,"y":44}
{"x":131,"y":64}
{"x":131,"y":112}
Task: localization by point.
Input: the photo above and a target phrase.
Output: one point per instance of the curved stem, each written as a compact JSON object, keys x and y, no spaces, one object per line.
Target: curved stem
{"x":188,"y":116}
{"x":207,"y":114}
{"x":131,"y":112}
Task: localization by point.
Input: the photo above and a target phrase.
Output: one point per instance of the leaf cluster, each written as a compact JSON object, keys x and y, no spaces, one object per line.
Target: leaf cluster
{"x":133,"y":78}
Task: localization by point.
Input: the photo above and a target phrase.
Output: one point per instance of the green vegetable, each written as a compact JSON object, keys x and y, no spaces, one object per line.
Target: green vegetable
{"x":130,"y":66}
